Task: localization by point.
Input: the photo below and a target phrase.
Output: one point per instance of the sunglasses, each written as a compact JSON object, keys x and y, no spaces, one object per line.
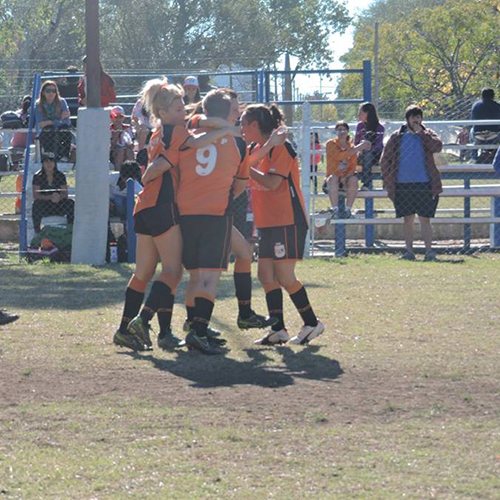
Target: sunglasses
{"x":50,"y":91}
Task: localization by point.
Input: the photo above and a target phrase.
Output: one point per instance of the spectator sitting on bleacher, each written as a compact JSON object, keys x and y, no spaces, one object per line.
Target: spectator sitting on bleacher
{"x":122,"y":141}
{"x":341,"y":164}
{"x":485,"y":109}
{"x":143,"y":129}
{"x":52,"y":120}
{"x":118,"y":187}
{"x":412,"y":179}
{"x":50,"y":192}
{"x":370,"y":129}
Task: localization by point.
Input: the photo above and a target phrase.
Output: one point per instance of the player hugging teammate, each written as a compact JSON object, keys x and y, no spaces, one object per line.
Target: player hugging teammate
{"x":183,"y":216}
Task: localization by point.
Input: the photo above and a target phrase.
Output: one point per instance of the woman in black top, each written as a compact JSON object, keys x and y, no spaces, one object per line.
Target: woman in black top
{"x":50,"y":192}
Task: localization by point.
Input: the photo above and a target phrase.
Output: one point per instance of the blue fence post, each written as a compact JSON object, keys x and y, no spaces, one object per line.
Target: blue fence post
{"x":367,"y":80}
{"x":23,"y":223}
{"x":495,"y":228}
{"x":261,"y":86}
{"x":131,"y":238}
{"x":467,"y":227}
{"x":267,"y":87}
{"x":340,"y":239}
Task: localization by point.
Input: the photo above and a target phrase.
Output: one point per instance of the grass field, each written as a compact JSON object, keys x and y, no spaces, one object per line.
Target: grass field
{"x":398,"y":399}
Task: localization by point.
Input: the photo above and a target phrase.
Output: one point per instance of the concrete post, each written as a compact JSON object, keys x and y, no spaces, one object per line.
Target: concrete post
{"x":90,"y":231}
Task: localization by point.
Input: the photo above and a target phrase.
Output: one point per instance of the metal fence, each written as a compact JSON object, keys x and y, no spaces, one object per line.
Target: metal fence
{"x":346,"y":218}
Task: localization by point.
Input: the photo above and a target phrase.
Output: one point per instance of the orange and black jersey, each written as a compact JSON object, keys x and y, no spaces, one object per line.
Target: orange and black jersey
{"x":207,"y":175}
{"x":167,"y":141}
{"x":283,"y":206}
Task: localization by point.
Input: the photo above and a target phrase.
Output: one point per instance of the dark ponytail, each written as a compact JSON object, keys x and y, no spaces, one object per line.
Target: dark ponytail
{"x":268,"y":118}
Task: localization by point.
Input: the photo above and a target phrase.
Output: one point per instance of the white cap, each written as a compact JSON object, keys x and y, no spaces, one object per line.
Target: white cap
{"x":191,"y":80}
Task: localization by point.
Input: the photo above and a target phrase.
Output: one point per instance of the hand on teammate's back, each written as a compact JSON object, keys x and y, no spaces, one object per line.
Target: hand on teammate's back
{"x":278,"y":136}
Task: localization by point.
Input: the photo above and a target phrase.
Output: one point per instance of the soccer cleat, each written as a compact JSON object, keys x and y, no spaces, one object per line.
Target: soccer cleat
{"x":6,"y":318}
{"x":256,"y":321}
{"x":168,"y":341}
{"x":202,"y":344}
{"x":274,"y":338}
{"x":141,"y":332}
{"x":127,"y":340}
{"x":308,"y":333}
{"x":210,"y":331}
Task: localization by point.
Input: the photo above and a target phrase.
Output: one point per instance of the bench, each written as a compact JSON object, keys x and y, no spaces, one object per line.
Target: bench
{"x":369,"y":221}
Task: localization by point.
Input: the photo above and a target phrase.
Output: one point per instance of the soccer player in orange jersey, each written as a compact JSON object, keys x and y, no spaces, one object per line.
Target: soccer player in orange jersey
{"x":240,"y":247}
{"x":210,"y":179}
{"x":156,"y":219}
{"x":280,"y":216}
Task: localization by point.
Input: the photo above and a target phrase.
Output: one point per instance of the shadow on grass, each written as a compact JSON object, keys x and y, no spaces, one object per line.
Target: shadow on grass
{"x":221,"y":371}
{"x":61,"y":286}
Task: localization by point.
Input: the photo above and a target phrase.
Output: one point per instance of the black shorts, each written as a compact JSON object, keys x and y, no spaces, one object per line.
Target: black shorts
{"x":206,"y":241}
{"x":415,"y":198}
{"x":282,"y":242}
{"x":155,"y":221}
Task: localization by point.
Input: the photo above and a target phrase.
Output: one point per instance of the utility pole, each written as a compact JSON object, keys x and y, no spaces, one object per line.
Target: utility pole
{"x":375,"y":67}
{"x":93,"y":57}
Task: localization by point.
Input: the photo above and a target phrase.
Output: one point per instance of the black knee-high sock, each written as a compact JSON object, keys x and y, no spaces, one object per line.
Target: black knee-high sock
{"x":301,"y":302}
{"x":190,"y":313}
{"x":159,"y":291}
{"x":133,"y":302}
{"x":202,"y":314}
{"x":164,"y":313}
{"x":274,"y":300}
{"x":243,"y":286}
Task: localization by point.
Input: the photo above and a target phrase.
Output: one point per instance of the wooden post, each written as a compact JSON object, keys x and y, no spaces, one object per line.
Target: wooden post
{"x":93,"y":57}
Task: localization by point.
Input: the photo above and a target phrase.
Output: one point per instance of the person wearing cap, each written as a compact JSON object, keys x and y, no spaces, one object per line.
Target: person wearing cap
{"x":50,"y":193}
{"x":122,"y":139}
{"x":192,"y":90}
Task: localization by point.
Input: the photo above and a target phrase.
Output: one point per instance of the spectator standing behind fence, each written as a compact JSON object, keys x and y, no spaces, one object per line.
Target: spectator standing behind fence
{"x":341,"y":164}
{"x":50,"y":192}
{"x":18,"y":141}
{"x":192,"y":90}
{"x":69,"y":90}
{"x":412,"y":179}
{"x":122,"y":141}
{"x":108,"y":93}
{"x":370,"y":129}
{"x":485,"y":109}
{"x":52,"y":121}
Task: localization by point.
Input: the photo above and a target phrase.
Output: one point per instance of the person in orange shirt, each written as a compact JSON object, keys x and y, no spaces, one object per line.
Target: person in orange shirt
{"x":240,"y":247}
{"x":341,"y":164}
{"x":281,"y":218}
{"x":156,"y":219}
{"x":210,"y":179}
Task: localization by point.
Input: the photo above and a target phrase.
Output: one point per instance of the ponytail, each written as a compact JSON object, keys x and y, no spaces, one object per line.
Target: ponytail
{"x":158,"y":94}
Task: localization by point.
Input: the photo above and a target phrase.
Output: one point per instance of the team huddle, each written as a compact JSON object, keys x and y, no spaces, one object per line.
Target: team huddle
{"x":183,"y":217}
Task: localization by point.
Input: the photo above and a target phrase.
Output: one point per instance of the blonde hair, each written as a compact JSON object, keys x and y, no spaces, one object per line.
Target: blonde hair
{"x":158,"y":94}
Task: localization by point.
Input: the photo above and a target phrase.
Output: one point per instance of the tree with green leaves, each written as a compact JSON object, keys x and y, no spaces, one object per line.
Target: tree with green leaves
{"x":439,"y":53}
